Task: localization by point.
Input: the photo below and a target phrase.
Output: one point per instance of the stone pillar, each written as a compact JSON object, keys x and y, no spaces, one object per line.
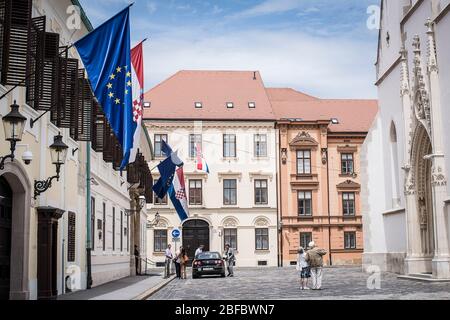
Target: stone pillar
{"x":441,"y":259}
{"x":413,"y":261}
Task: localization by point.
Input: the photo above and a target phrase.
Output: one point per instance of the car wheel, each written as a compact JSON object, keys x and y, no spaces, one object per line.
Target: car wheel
{"x":223,"y":275}
{"x":194,"y":276}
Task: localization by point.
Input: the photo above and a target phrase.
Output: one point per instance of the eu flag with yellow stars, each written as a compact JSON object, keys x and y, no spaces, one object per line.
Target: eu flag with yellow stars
{"x":106,"y":55}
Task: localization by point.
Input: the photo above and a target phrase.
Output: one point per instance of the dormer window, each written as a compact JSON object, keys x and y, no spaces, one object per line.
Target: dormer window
{"x":198,"y":105}
{"x":230,"y":105}
{"x":147,"y":104}
{"x":252,"y":105}
{"x":335,"y":121}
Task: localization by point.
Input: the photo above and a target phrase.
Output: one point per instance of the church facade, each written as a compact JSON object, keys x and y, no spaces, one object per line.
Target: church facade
{"x":407,"y":152}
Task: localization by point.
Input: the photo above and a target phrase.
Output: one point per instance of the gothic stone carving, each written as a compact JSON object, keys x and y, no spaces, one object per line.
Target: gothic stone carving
{"x":438,"y":178}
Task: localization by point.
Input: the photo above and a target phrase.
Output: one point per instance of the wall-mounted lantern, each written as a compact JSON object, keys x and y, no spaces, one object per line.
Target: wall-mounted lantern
{"x":58,"y":151}
{"x":14,"y":125}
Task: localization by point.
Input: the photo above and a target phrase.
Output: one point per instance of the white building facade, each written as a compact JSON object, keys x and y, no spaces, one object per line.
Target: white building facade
{"x":405,"y":193}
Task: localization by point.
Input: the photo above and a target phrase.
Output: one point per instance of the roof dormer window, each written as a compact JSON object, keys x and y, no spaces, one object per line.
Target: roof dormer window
{"x":230,"y":105}
{"x":334,"y":120}
{"x":252,"y":105}
{"x":198,"y":105}
{"x":147,"y":104}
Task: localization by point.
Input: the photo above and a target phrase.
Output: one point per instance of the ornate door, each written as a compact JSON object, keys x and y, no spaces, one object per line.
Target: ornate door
{"x":5,"y":237}
{"x":195,"y":233}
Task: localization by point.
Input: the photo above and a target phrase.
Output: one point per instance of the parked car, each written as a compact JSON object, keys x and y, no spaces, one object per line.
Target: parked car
{"x":208,"y":263}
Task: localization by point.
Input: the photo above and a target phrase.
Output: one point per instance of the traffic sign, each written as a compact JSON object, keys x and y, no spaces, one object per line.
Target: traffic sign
{"x":176,"y":233}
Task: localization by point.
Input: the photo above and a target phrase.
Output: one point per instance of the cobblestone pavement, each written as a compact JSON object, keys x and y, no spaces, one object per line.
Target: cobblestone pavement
{"x":283,"y":284}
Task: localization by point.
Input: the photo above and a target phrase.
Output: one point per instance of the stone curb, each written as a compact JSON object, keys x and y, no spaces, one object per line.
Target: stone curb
{"x":148,"y":293}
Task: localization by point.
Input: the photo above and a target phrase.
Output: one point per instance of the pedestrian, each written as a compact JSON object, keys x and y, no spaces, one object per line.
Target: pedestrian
{"x":230,"y":259}
{"x":199,"y":250}
{"x":184,"y":259}
{"x":314,"y":257}
{"x":177,"y":261}
{"x":303,"y":267}
{"x":169,"y":257}
{"x":137,"y":257}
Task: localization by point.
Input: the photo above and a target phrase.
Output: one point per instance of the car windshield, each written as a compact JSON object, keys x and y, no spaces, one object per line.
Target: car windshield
{"x":208,"y":255}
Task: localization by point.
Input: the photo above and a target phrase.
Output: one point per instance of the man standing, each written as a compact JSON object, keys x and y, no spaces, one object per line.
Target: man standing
{"x":169,"y":257}
{"x":177,"y":261}
{"x":230,"y":258}
{"x":314,"y":256}
{"x":137,"y":257}
{"x":199,"y":250}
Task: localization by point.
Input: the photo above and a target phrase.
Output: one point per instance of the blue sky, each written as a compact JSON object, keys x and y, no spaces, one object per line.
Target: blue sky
{"x":321,"y":47}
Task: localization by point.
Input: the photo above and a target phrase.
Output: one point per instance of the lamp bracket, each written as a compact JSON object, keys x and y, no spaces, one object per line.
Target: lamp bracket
{"x":40,"y":186}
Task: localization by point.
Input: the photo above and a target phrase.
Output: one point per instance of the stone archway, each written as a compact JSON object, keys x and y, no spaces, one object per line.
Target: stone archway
{"x":195,"y":232}
{"x":16,"y":177}
{"x":421,"y":166}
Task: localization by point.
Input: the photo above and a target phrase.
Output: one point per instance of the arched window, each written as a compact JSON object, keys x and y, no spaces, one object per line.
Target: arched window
{"x":395,"y":166}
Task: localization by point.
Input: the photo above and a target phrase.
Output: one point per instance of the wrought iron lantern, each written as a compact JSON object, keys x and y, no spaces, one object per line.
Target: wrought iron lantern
{"x":14,"y":125}
{"x":58,"y":151}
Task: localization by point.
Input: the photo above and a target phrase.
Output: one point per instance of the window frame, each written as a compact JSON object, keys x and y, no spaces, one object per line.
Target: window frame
{"x":71,"y":236}
{"x":347,"y":164}
{"x":228,"y":238}
{"x":260,"y":190}
{"x":230,"y":189}
{"x":192,"y":142}
{"x":104,"y":227}
{"x":159,"y":235}
{"x":350,"y":240}
{"x":195,"y":192}
{"x":348,"y":204}
{"x":263,"y":238}
{"x":302,"y":160}
{"x":157,"y":144}
{"x":305,"y":199}
{"x":303,"y":244}
{"x":226,"y":142}
{"x":259,"y":145}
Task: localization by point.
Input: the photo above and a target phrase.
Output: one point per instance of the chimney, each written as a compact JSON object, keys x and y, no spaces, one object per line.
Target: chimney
{"x":254,"y":75}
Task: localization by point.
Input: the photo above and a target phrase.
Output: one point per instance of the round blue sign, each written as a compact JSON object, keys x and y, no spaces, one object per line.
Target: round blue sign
{"x":176,"y":233}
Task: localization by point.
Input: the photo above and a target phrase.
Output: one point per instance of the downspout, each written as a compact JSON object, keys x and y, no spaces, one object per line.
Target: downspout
{"x":329,"y":211}
{"x":280,"y":202}
{"x":88,"y":217}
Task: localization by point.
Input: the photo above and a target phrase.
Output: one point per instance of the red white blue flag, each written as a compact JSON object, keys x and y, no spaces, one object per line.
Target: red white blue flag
{"x":137,"y":74}
{"x":201,"y":162}
{"x":177,"y":193}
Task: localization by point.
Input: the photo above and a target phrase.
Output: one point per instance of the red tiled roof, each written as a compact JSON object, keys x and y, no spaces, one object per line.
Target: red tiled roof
{"x":175,"y":98}
{"x":353,"y":115}
{"x":288,"y":94}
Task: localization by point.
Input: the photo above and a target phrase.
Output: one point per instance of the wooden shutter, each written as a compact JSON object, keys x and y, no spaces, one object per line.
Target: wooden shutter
{"x":133,"y":171}
{"x":117,"y":156}
{"x":71,"y":237}
{"x":98,"y":127}
{"x":148,"y":191}
{"x":15,"y":21}
{"x":108,"y":143}
{"x":81,"y":127}
{"x":65,"y":111}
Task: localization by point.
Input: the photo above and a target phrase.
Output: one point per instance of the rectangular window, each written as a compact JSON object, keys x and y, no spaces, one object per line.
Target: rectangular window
{"x":262,"y":239}
{"x":350,"y":240}
{"x":229,"y":146}
{"x":104,"y":227}
{"x":304,"y":162}
{"x":260,"y":142}
{"x":71,"y":237}
{"x":92,"y":223}
{"x":348,"y":203}
{"x":195,"y":192}
{"x":347,"y":163}
{"x":158,"y":144}
{"x":305,"y":239}
{"x":121,"y":231}
{"x":126,"y":233}
{"x":194,"y":140}
{"x":114,"y":229}
{"x":304,"y":203}
{"x":160,"y":240}
{"x":261,"y":192}
{"x":229,"y":192}
{"x":230,"y":237}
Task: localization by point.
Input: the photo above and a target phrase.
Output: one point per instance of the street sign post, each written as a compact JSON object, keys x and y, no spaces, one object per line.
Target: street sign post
{"x":176,"y":233}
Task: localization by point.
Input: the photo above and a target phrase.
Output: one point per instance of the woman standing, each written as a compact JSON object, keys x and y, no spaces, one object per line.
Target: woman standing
{"x":184,"y":259}
{"x":177,"y":261}
{"x":303,"y":267}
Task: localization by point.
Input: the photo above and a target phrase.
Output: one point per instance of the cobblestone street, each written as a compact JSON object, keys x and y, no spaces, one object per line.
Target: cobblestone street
{"x":282,"y":284}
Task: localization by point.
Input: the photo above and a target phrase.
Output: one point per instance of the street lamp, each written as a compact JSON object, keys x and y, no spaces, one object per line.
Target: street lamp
{"x":58,"y":152}
{"x":14,"y":125}
{"x":141,"y":204}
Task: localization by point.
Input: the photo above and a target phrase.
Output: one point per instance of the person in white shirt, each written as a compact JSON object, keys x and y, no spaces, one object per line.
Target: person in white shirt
{"x":303,"y":267}
{"x":168,"y":262}
{"x":199,"y":250}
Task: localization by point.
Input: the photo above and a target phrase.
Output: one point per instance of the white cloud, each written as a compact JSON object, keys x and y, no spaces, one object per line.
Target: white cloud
{"x":151,"y":7}
{"x":327,"y":67}
{"x":270,"y":7}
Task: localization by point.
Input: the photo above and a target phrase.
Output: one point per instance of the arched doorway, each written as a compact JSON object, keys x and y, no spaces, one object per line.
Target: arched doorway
{"x":195,"y":233}
{"x":422,"y":167}
{"x":6,"y":195}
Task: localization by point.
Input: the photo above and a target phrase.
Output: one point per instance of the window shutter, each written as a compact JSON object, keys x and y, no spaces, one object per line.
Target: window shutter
{"x":63,"y":113}
{"x":35,"y":56}
{"x":80,"y":129}
{"x":117,"y":155}
{"x":71,"y":237}
{"x":98,"y":127}
{"x":108,"y":143}
{"x":133,"y":170}
{"x":15,"y":19}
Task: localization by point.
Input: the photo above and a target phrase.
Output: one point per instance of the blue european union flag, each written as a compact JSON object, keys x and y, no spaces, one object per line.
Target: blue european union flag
{"x":167,"y":171}
{"x":105,"y":53}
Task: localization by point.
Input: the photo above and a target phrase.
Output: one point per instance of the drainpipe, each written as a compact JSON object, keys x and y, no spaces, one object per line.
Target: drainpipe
{"x":88,"y":217}
{"x":279,"y":204}
{"x":329,"y":211}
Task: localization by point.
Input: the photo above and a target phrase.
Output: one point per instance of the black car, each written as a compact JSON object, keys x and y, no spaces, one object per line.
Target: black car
{"x":208,"y":263}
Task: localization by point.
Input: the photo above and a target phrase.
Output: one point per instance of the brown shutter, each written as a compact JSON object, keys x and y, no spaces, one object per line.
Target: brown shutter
{"x":80,"y":129}
{"x":117,"y":156}
{"x":148,"y":191}
{"x":71,"y":237}
{"x":15,"y":19}
{"x":63,"y":113}
{"x":132,"y":171}
{"x":98,"y":127}
{"x":35,"y":56}
{"x":108,"y":143}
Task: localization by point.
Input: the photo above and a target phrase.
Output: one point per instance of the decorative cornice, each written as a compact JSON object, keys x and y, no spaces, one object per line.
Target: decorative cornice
{"x":303,"y":139}
{"x":191,"y":125}
{"x":229,"y":174}
{"x":260,"y":174}
{"x":348,"y":184}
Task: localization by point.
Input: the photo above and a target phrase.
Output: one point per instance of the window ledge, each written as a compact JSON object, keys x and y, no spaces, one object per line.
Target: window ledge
{"x":265,"y":158}
{"x":262,"y":251}
{"x":230,"y":159}
{"x":394,"y":211}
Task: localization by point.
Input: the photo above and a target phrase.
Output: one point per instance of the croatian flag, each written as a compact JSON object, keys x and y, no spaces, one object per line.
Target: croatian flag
{"x":201,"y":162}
{"x":137,"y":79}
{"x":177,"y":193}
